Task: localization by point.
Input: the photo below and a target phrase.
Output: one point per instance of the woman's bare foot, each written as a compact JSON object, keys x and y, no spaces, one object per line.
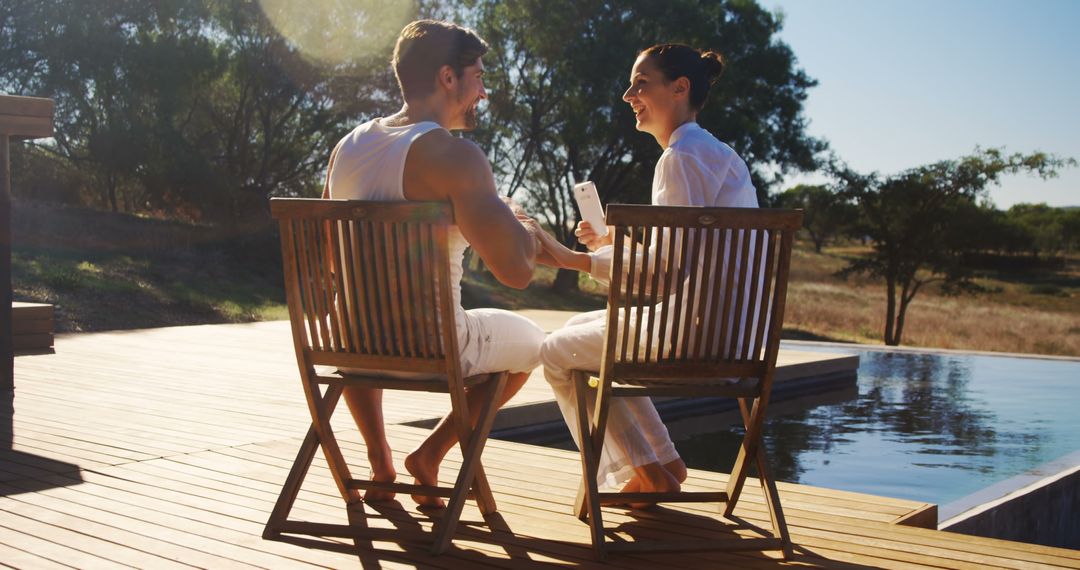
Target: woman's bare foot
{"x":651,"y":478}
{"x":382,"y":470}
{"x":677,"y":469}
{"x":426,"y":472}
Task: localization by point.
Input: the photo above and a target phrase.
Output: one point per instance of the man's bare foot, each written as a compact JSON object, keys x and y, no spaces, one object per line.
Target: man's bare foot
{"x":382,"y":470}
{"x":652,"y":478}
{"x":426,"y":473}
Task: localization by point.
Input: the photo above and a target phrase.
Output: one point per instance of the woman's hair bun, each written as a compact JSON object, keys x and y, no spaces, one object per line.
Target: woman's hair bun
{"x":714,"y":65}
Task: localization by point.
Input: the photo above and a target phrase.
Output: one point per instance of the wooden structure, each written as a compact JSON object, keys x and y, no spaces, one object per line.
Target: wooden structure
{"x":153,"y":447}
{"x":32,"y":327}
{"x":20,"y":118}
{"x":369,"y":291}
{"x":720,"y":278}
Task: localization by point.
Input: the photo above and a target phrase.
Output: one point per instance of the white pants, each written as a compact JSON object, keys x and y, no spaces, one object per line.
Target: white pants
{"x":499,"y":340}
{"x":635,"y":435}
{"x":491,"y":340}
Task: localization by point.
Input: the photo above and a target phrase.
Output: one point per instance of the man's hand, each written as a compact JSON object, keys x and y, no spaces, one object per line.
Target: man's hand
{"x":534,"y":229}
{"x":586,"y":234}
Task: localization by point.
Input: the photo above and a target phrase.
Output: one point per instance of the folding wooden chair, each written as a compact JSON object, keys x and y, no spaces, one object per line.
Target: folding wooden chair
{"x":368,"y":287}
{"x":698,"y":314}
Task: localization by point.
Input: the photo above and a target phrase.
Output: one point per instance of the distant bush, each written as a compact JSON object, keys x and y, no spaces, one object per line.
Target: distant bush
{"x":1047,"y":289}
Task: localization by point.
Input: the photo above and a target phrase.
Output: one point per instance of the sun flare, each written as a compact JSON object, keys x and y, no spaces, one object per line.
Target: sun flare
{"x":334,"y":32}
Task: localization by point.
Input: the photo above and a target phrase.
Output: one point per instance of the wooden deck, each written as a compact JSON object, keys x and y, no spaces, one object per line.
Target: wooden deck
{"x":151,"y":449}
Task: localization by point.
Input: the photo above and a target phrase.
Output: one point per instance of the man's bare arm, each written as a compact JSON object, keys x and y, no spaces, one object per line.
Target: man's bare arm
{"x":489,"y":224}
{"x":443,"y":167}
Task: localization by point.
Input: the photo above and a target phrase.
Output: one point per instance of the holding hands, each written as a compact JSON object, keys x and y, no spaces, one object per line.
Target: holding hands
{"x":552,"y":252}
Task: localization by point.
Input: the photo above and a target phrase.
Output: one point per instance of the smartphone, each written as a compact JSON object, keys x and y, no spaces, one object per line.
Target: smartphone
{"x":588,"y":203}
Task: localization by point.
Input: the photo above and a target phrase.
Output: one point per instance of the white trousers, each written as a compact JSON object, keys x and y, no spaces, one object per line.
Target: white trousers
{"x":635,"y":435}
{"x":491,"y":340}
{"x":499,"y":340}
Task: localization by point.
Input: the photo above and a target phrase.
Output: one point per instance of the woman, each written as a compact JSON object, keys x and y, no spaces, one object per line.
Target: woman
{"x":669,"y":85}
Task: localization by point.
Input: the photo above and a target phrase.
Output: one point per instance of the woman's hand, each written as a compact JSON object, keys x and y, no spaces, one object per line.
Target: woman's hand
{"x":558,"y":255}
{"x":551,"y":252}
{"x":586,"y":234}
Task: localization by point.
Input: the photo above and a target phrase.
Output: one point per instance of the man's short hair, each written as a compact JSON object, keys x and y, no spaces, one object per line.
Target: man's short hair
{"x":424,"y":46}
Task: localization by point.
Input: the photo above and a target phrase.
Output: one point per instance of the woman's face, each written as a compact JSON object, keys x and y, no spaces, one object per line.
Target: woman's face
{"x":653,"y":98}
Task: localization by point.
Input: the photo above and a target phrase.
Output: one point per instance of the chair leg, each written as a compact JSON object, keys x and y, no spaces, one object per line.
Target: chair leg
{"x":590,"y":465}
{"x":322,"y":409}
{"x":772,"y":499}
{"x":472,"y":447}
{"x":301,"y":464}
{"x":747,"y":452}
{"x":580,"y":504}
{"x":291,"y":489}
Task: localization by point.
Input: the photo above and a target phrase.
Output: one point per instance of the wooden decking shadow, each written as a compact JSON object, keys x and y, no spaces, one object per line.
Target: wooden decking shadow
{"x":31,"y":472}
{"x":696,"y":533}
{"x":410,"y":531}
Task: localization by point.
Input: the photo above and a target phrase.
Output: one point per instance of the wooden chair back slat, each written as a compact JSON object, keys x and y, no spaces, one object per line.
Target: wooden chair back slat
{"x":698,"y":285}
{"x":405,"y":279}
{"x":356,"y":275}
{"x":665,"y":293}
{"x":743,"y":268}
{"x":427,"y":290}
{"x":342,"y":332}
{"x":703,"y":316}
{"x":716,"y":314}
{"x":627,"y":304}
{"x":319,"y":337}
{"x":759,"y":293}
{"x":378,"y":257}
{"x":655,"y":271}
{"x":369,"y":281}
{"x":323,"y":283}
{"x":446,"y":303}
{"x":347,"y":311}
{"x":694,"y":238}
{"x":642,"y":289}
{"x":677,"y":311}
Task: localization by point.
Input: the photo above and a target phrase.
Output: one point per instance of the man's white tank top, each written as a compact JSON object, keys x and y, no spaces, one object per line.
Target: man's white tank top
{"x":370,"y":165}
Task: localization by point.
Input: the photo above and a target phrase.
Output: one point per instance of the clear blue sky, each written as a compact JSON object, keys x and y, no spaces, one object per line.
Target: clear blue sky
{"x":906,"y":83}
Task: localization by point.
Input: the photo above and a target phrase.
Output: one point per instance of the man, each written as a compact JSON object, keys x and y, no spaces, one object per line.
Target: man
{"x":411,"y":155}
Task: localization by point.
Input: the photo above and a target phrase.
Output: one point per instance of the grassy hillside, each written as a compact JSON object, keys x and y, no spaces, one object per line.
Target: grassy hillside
{"x":110,"y":271}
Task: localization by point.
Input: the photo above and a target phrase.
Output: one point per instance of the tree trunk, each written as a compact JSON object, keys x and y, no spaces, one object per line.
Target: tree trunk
{"x":890,"y":312}
{"x":899,"y":330}
{"x":566,"y":281}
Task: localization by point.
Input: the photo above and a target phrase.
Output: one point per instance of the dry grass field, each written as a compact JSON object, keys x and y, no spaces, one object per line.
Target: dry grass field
{"x":1037,"y":312}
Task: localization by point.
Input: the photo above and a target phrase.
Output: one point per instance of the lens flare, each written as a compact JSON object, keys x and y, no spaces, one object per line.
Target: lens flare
{"x":334,"y":32}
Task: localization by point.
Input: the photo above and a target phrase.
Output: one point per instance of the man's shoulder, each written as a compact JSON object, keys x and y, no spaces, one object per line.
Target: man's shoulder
{"x":438,"y":148}
{"x":442,"y":166}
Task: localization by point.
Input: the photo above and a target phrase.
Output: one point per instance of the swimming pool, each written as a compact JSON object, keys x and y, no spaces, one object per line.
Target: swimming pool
{"x":924,"y":426}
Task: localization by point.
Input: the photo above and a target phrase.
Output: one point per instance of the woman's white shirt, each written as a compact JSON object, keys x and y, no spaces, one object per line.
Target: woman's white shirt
{"x":696,"y":169}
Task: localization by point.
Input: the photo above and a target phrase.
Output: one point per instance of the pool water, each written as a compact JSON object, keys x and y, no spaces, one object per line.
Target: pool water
{"x":930,"y":427}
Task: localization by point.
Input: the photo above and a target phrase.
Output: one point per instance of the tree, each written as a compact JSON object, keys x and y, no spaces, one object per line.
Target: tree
{"x":192,"y":108}
{"x":825,"y":213}
{"x":924,"y":220}
{"x":557,"y":71}
{"x":1045,"y":229}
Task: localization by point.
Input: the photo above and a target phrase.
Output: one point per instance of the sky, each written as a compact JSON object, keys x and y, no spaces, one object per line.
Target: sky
{"x":907,"y":83}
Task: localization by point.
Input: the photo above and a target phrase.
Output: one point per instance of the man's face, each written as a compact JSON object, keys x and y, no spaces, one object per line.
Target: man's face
{"x":470,"y":92}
